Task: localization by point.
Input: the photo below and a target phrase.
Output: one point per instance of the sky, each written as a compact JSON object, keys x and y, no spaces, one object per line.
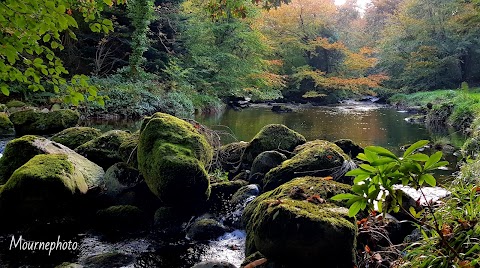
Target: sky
{"x":361,"y":3}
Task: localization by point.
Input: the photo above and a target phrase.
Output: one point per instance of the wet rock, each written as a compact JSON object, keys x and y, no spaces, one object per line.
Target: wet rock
{"x":35,"y":122}
{"x":281,"y":109}
{"x":242,"y":176}
{"x":168,"y":217}
{"x":48,"y":185}
{"x":298,"y":226}
{"x":349,"y":147}
{"x":317,"y":158}
{"x":417,"y":119}
{"x":6,"y":126}
{"x":272,"y":137}
{"x":104,"y":150}
{"x":76,"y":136}
{"x":245,"y":193}
{"x":121,"y":218}
{"x":206,"y":229}
{"x":19,"y":151}
{"x":263,"y":163}
{"x":214,"y":264}
{"x":69,"y":265}
{"x":124,"y":185}
{"x":172,"y":156}
{"x":222,"y":192}
{"x":108,"y":260}
{"x":230,"y":155}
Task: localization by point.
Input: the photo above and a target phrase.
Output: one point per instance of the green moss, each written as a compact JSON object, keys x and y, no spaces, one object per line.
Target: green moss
{"x":6,"y":126}
{"x":172,"y":156}
{"x":318,"y":158}
{"x":104,"y":150}
{"x":128,"y":150}
{"x":272,"y":137}
{"x":15,"y":104}
{"x":36,"y":122}
{"x":76,"y":136}
{"x":17,"y":152}
{"x":44,"y":185}
{"x":122,"y":217}
{"x":294,"y":229}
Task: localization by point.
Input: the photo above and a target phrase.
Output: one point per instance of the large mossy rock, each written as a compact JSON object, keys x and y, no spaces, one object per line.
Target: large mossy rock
{"x":104,"y":150}
{"x":37,"y":122}
{"x":272,"y":137}
{"x":46,"y":186}
{"x":76,"y":136}
{"x":19,"y":151}
{"x":288,"y":229}
{"x":6,"y":126}
{"x":172,"y":156}
{"x":315,"y":158}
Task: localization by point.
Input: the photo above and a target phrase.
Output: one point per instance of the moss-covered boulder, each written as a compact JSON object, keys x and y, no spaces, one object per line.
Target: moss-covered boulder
{"x":230,"y":155}
{"x":172,"y":156}
{"x":37,"y":122}
{"x":76,"y":136}
{"x":206,"y":229}
{"x":128,"y":150}
{"x":272,"y":137}
{"x":19,"y":151}
{"x":349,"y":147}
{"x":121,"y":218}
{"x":104,"y":150}
{"x":6,"y":126}
{"x":45,"y":186}
{"x":317,"y":158}
{"x":15,"y":104}
{"x":263,"y":163}
{"x":297,"y":225}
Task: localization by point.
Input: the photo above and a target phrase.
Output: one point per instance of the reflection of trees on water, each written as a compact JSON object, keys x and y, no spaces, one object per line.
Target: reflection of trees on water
{"x":384,"y":127}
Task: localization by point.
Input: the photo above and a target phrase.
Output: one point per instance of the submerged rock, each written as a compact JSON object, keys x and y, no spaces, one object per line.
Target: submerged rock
{"x":76,"y":136}
{"x":107,"y":260}
{"x":297,"y":225}
{"x":6,"y":126}
{"x":214,"y":264}
{"x":206,"y":229}
{"x":172,"y":156}
{"x":272,"y":137}
{"x":104,"y":150}
{"x":37,"y":122}
{"x":316,"y":158}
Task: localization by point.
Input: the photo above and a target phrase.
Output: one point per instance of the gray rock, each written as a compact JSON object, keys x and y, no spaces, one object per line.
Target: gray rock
{"x":213,"y":264}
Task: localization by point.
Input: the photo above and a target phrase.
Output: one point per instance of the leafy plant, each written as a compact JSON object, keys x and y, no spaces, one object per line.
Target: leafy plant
{"x":383,"y":169}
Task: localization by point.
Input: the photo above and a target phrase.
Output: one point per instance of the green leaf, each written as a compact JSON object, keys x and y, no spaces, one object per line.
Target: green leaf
{"x":437,"y":165}
{"x":429,"y":179}
{"x":368,"y":168}
{"x":357,"y":171}
{"x":355,"y":208}
{"x":418,"y":157}
{"x":413,"y":212}
{"x":46,"y":38}
{"x":4,"y":89}
{"x":382,"y":161}
{"x":360,"y":178}
{"x":340,"y":197}
{"x":382,"y":151}
{"x":108,"y":2}
{"x":415,"y":146}
{"x":434,"y":158}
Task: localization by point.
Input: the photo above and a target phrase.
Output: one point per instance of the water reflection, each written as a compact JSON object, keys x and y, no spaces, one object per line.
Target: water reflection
{"x":365,"y":124}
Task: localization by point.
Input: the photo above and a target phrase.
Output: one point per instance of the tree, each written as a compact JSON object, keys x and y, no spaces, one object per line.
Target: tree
{"x":31,"y":32}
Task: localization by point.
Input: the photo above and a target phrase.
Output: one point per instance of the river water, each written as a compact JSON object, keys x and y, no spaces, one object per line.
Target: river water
{"x":364,"y":123}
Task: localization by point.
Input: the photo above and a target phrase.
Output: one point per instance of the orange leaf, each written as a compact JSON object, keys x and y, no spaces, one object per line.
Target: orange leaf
{"x":328,"y":178}
{"x":367,"y":249}
{"x":256,"y":263}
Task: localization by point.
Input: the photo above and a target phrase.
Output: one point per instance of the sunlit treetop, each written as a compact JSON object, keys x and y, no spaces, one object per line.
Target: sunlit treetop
{"x":30,"y":33}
